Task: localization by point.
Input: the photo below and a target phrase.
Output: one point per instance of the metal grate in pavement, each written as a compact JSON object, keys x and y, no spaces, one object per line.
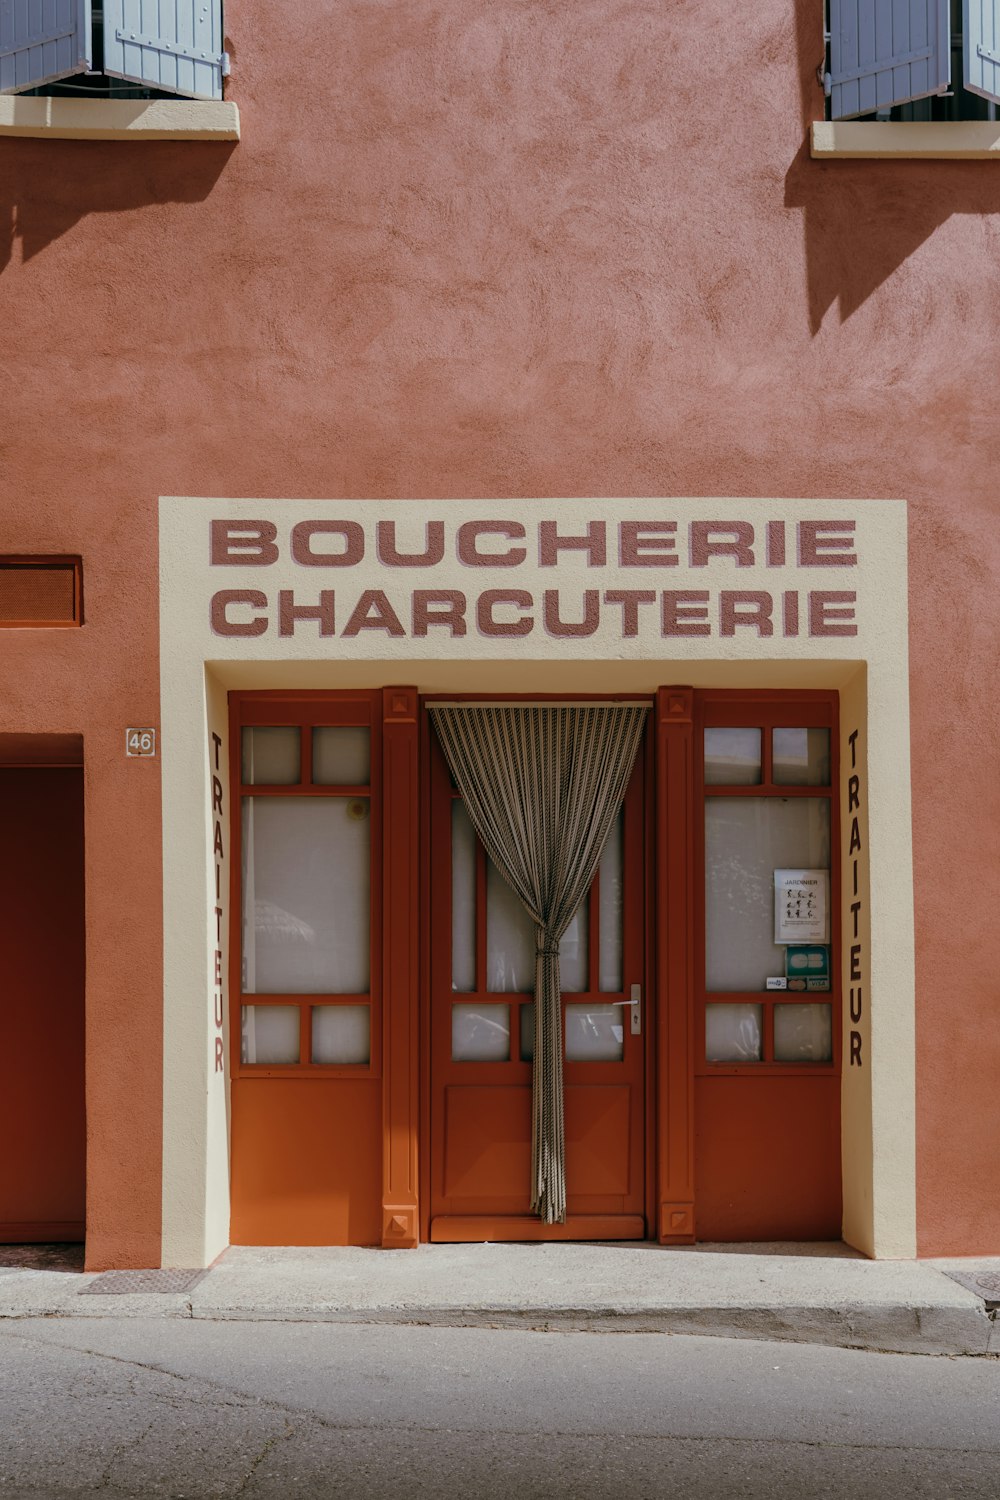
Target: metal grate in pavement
{"x":985,"y":1284}
{"x":141,"y":1283}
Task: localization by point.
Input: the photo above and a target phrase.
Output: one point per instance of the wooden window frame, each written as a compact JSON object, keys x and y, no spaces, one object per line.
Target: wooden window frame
{"x":306,"y":711}
{"x":767,"y":711}
{"x":35,"y":562}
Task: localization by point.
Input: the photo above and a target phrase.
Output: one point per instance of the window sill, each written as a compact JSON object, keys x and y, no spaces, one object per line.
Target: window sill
{"x":119,"y":119}
{"x":846,"y":140}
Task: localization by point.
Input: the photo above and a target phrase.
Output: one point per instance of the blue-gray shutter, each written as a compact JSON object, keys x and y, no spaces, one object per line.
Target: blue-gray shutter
{"x":886,"y":52}
{"x":42,"y":43}
{"x":981,"y":24}
{"x":174,"y":45}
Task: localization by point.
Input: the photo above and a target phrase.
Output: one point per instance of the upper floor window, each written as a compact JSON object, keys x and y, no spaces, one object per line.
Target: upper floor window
{"x":112,"y":49}
{"x":913,"y":59}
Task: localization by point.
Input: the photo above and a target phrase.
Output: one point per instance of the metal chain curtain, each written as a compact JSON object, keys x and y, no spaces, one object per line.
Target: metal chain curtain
{"x":542,"y":786}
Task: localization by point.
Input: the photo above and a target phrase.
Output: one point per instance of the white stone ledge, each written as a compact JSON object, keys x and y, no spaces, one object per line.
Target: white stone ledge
{"x":961,"y":140}
{"x":119,"y":119}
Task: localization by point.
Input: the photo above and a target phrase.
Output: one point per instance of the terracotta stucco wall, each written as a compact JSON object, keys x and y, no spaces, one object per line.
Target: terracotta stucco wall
{"x":505,"y":250}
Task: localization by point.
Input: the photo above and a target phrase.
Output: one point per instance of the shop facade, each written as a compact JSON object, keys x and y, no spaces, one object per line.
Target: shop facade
{"x":348,"y":996}
{"x":491,"y":361}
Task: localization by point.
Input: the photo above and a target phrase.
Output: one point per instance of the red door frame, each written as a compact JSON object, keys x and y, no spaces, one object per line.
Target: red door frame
{"x":395,"y":992}
{"x":595,"y":1213}
{"x":681,"y":716}
{"x":674,"y":912}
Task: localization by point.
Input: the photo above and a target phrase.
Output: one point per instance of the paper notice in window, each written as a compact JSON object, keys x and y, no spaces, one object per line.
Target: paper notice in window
{"x":801,"y":906}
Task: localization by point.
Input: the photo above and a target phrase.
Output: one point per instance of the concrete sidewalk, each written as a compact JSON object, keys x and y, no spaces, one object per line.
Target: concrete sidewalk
{"x":824,"y":1294}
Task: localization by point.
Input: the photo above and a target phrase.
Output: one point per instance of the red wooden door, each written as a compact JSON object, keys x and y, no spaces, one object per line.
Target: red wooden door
{"x":42,"y":1123}
{"x":305,"y":968}
{"x":482,"y":975}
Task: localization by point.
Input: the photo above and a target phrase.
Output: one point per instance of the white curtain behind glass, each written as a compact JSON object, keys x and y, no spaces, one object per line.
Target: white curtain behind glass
{"x":306,"y":891}
{"x":611,"y":899}
{"x":510,"y":933}
{"x":510,"y":943}
{"x":463,"y":899}
{"x":746,"y":840}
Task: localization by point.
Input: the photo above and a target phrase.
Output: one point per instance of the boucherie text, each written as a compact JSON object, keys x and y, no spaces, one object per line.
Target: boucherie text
{"x":508,"y":578}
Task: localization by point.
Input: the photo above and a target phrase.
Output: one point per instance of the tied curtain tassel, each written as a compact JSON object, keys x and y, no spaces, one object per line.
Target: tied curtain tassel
{"x":542,"y":787}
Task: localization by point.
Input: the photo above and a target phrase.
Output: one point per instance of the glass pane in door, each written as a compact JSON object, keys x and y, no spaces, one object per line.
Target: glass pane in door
{"x":611,"y":887}
{"x":341,"y":756}
{"x":463,"y":899}
{"x":341,"y":1034}
{"x":733,"y":1033}
{"x":746,"y":840}
{"x":573,"y":954}
{"x":803,"y":1033}
{"x":510,"y":942}
{"x":270,"y":1034}
{"x":594,"y":1033}
{"x":480,"y":1033}
{"x":802,"y":757}
{"x":732,"y":757}
{"x":306,"y":895}
{"x":510,"y":939}
{"x":271,"y":756}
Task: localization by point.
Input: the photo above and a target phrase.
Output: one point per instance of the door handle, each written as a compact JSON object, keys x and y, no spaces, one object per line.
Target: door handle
{"x":635,"y":1006}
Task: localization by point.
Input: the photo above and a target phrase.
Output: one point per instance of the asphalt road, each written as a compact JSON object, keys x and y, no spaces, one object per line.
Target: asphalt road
{"x":182,"y":1408}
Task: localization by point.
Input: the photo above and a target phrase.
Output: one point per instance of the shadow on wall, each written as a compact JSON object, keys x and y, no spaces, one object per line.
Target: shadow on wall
{"x":864,"y":219}
{"x":46,"y":187}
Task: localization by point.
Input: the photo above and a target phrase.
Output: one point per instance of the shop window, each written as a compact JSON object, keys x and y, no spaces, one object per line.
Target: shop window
{"x":746,"y":840}
{"x":308,"y":858}
{"x":912,"y":60}
{"x":116,"y":49}
{"x":306,"y":879}
{"x":768,"y":979}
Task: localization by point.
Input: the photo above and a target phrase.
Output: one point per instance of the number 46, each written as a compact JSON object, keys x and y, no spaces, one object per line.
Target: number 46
{"x":140,"y":741}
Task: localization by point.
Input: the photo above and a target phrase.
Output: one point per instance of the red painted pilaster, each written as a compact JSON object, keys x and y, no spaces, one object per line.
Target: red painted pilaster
{"x":675,"y":812}
{"x":400,"y":968}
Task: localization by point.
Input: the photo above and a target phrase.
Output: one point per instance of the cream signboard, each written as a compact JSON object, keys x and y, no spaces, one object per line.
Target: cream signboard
{"x":543,"y":578}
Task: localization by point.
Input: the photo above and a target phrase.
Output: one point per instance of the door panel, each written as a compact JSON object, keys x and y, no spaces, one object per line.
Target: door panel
{"x":488,"y":1146}
{"x":482,"y":972}
{"x":598,"y":1131}
{"x":42,"y":1122}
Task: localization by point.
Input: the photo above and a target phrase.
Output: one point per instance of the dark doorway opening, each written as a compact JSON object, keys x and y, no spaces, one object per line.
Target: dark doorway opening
{"x":42,"y":1102}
